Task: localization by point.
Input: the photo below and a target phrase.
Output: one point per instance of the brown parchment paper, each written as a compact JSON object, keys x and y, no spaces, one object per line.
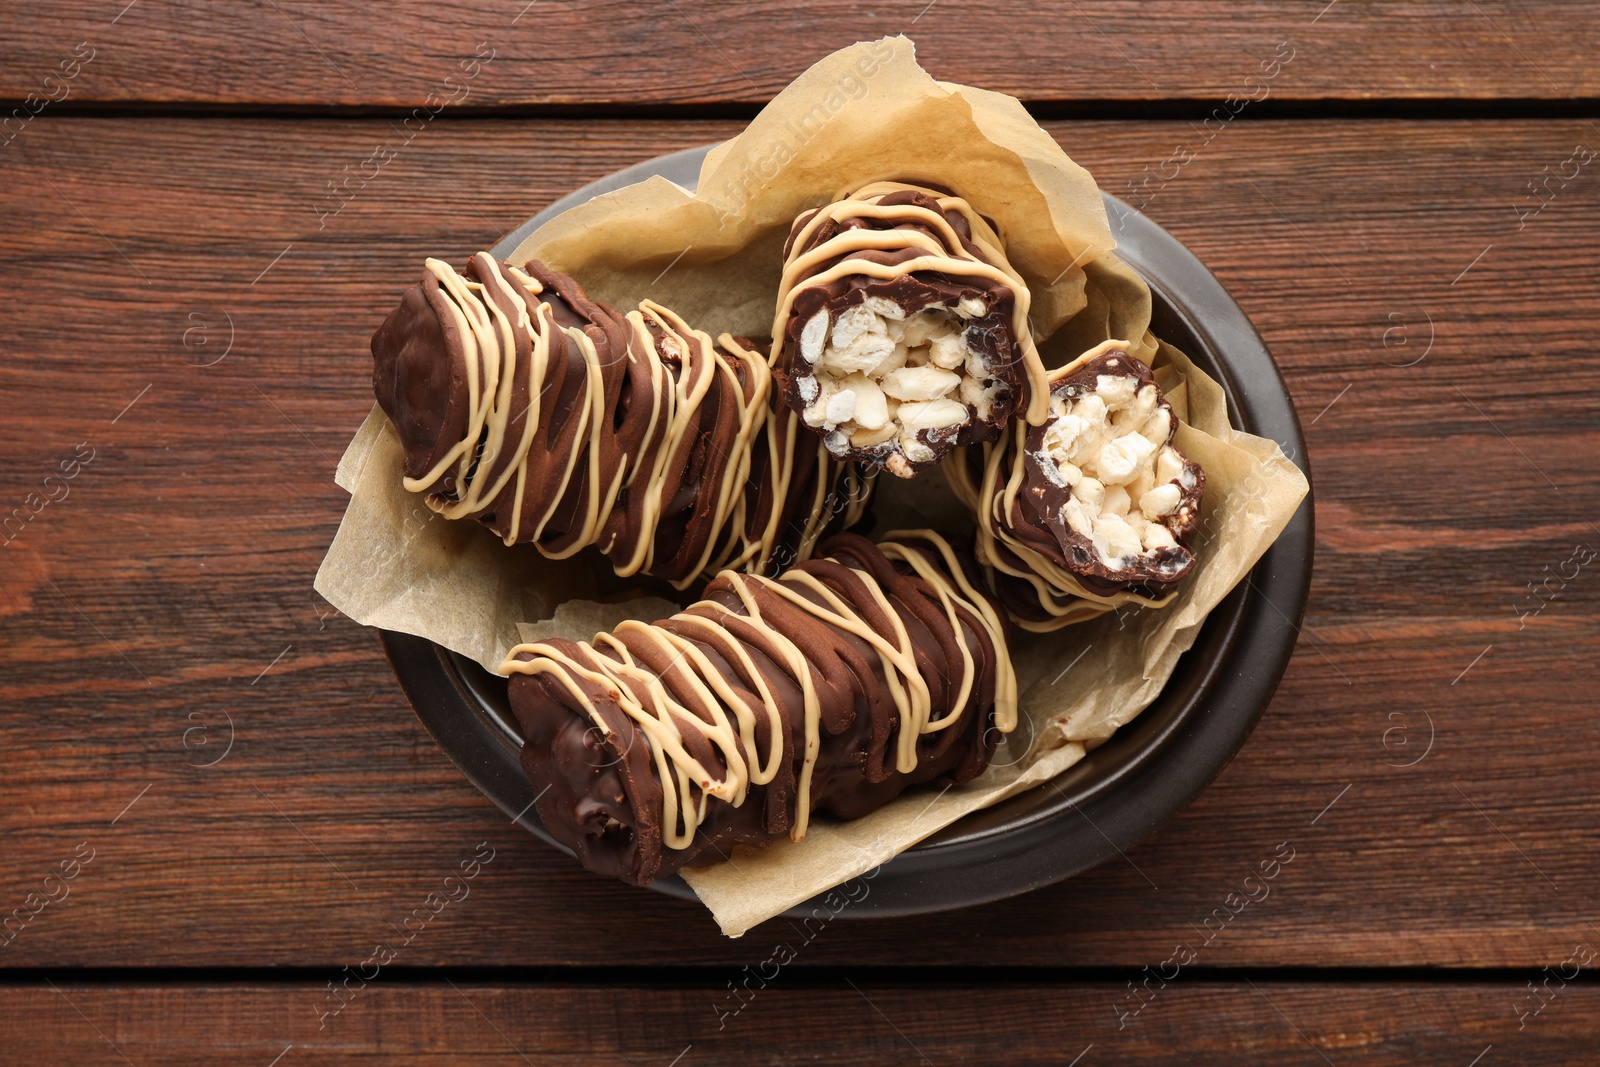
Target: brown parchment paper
{"x":865,"y":113}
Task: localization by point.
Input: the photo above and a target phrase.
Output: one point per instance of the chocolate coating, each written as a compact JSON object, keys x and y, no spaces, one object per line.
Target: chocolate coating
{"x":598,"y":769}
{"x":418,"y":375}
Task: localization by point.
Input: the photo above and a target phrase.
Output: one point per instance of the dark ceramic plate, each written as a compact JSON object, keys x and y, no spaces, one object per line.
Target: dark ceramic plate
{"x":1125,"y":789}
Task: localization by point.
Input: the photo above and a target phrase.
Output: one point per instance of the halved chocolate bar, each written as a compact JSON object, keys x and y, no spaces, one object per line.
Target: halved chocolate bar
{"x":1094,"y":508}
{"x":902,"y":331}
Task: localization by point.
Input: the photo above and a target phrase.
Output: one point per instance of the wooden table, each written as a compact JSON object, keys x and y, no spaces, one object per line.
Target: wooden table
{"x":246,"y":805}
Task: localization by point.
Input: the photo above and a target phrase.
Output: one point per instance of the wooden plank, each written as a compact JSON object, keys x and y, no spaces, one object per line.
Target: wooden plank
{"x":298,"y":53}
{"x":172,"y":586}
{"x":794,"y":1019}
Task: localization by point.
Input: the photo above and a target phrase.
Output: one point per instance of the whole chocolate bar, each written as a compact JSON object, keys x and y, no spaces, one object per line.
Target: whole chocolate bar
{"x":1091,"y":510}
{"x":901,"y":330}
{"x":554,"y":419}
{"x":833,"y":688}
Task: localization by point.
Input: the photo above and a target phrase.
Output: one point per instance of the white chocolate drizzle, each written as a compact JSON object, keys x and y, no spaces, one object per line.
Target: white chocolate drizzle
{"x":683,"y":369}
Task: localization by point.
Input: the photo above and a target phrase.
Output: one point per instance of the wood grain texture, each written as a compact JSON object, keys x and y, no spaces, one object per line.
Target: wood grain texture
{"x":793,"y":1021}
{"x":173,"y":306}
{"x":618,"y":52}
